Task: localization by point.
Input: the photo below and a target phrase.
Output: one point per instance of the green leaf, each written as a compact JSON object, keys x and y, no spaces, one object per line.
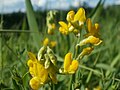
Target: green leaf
{"x":97,"y":10}
{"x":32,"y":23}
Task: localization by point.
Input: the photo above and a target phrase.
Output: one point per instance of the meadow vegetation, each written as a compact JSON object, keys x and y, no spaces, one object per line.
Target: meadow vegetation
{"x":23,"y":33}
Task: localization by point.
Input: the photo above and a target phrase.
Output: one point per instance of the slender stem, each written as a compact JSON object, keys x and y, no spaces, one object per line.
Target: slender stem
{"x":90,"y":69}
{"x":90,"y":73}
{"x":16,"y":31}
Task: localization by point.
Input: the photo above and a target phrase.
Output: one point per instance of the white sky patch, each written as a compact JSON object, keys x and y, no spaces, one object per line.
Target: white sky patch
{"x":19,"y":5}
{"x":41,"y":3}
{"x":10,"y":2}
{"x":117,"y":2}
{"x":76,"y":3}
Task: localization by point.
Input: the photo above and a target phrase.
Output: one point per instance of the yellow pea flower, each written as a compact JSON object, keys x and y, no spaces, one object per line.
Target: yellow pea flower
{"x":64,"y":28}
{"x":70,"y":16}
{"x":70,"y":66}
{"x":34,"y":83}
{"x":39,"y":73}
{"x":46,"y":42}
{"x":53,"y":44}
{"x":80,"y":16}
{"x":92,"y":30}
{"x":97,"y":88}
{"x":92,"y":40}
{"x":51,"y":28}
{"x":85,"y":51}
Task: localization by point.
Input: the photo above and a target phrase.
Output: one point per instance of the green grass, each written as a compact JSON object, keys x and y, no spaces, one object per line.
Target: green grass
{"x":100,"y":68}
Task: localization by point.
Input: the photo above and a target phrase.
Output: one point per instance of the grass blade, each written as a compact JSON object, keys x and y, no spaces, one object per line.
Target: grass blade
{"x":32,"y":23}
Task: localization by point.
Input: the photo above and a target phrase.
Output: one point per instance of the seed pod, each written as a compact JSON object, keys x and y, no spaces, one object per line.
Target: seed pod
{"x":47,"y":61}
{"x":41,"y":53}
{"x":51,"y":55}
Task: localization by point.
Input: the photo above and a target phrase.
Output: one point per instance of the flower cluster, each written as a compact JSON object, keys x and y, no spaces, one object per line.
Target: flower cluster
{"x":75,"y":22}
{"x":43,"y":68}
{"x":91,"y":39}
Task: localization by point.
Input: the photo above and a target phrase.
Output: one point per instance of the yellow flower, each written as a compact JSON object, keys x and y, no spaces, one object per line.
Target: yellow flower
{"x":86,"y":51}
{"x":92,"y":40}
{"x":46,"y":42}
{"x":70,"y":66}
{"x":80,"y":16}
{"x":34,"y":83}
{"x":92,"y":30}
{"x":53,"y":44}
{"x":97,"y":88}
{"x":39,"y":73}
{"x":64,"y":28}
{"x":70,"y":16}
{"x":51,"y":28}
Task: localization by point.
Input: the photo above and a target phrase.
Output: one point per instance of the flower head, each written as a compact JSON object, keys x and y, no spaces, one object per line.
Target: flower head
{"x":64,"y":28}
{"x":92,"y":30}
{"x":92,"y":40}
{"x":70,"y":66}
{"x":80,"y":16}
{"x":39,"y":73}
{"x":51,"y":28}
{"x":75,"y":22}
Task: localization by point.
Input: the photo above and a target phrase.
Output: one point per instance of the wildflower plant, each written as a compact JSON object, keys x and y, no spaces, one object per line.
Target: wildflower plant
{"x":60,"y":51}
{"x":44,"y":68}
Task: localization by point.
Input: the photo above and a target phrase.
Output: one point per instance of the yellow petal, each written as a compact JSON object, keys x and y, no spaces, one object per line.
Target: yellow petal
{"x":67,"y":61}
{"x":30,"y":63}
{"x":86,"y":51}
{"x":42,"y":73}
{"x":89,"y":25}
{"x":70,"y":16}
{"x":80,"y":15}
{"x":46,"y":42}
{"x":94,"y":40}
{"x":32,"y":56}
{"x":73,"y":67}
{"x":97,"y":26}
{"x":34,"y":83}
{"x":53,"y":43}
{"x":63,"y":24}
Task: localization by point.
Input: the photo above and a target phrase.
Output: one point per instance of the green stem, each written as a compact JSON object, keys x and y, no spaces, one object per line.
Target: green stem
{"x":90,"y":73}
{"x":16,"y":31}
{"x":90,"y":69}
